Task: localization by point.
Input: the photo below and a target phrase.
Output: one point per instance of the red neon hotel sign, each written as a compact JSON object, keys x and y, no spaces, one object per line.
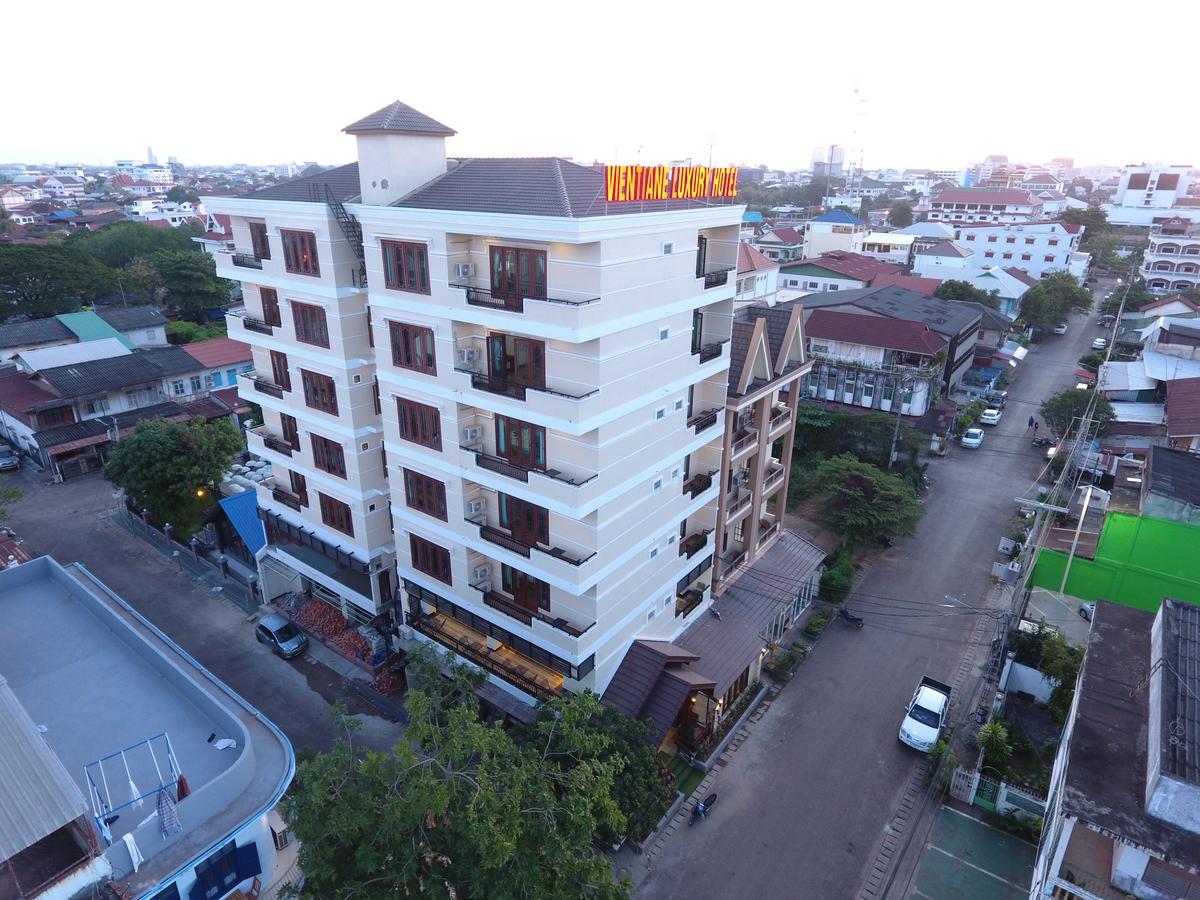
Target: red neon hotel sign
{"x":625,"y":183}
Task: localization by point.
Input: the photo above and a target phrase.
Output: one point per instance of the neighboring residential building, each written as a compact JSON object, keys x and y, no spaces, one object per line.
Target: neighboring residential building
{"x":134,"y":326}
{"x":1040,"y":181}
{"x":943,"y":260}
{"x":757,"y":276}
{"x":889,"y":246}
{"x":979,"y":205}
{"x":224,"y":358}
{"x":1183,"y":414}
{"x":781,"y":244}
{"x":218,"y":234}
{"x":1172,"y":259}
{"x":13,"y":198}
{"x":105,"y":721}
{"x":927,"y":234}
{"x":62,"y":187}
{"x":1009,"y":286}
{"x":835,"y":230}
{"x":915,"y":283}
{"x":954,"y":320}
{"x":834,"y":271}
{"x":475,"y":455}
{"x":873,"y":362}
{"x":1125,"y":786}
{"x":1171,"y":485}
{"x":1034,"y":247}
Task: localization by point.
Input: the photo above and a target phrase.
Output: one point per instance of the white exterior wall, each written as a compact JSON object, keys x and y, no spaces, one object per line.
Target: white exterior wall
{"x":1172,"y":262}
{"x":974,"y":212}
{"x":820,"y":237}
{"x":942,"y":266}
{"x":1049,"y":246}
{"x":154,"y":336}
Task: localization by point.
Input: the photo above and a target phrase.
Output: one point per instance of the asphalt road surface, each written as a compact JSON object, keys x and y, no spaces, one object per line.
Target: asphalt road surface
{"x":806,"y":798}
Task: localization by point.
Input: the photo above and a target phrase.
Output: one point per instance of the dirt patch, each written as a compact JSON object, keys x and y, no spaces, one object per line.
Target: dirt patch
{"x":803,"y":520}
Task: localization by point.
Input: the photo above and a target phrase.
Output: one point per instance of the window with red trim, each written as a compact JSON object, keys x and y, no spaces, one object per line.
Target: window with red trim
{"x":270,"y":306}
{"x":319,"y":391}
{"x":328,"y":456}
{"x":406,"y":266}
{"x":300,"y":252}
{"x":291,"y":431}
{"x":258,"y":240}
{"x":336,"y":514}
{"x":299,"y":487}
{"x":518,"y":273}
{"x":1048,"y":257}
{"x":425,"y":494}
{"x":429,"y":558}
{"x":279,"y":370}
{"x":412,"y":347}
{"x":419,"y":423}
{"x":310,"y":324}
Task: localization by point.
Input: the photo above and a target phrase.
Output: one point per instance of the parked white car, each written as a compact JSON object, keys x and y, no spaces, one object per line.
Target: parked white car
{"x":1060,"y":328}
{"x":973,"y":438}
{"x":924,"y":715}
{"x":1099,"y":344}
{"x":990,"y":417}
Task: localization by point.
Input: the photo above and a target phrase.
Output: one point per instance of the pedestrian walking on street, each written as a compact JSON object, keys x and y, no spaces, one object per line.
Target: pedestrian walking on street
{"x":1032,"y":422}
{"x":1035,"y":429}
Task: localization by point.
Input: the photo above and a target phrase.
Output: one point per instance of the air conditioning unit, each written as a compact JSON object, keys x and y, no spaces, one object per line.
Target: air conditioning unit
{"x":481,"y":573}
{"x":475,"y":507}
{"x":406,"y":632}
{"x":464,"y":270}
{"x":471,"y":434}
{"x":741,"y":477}
{"x":468,"y":355}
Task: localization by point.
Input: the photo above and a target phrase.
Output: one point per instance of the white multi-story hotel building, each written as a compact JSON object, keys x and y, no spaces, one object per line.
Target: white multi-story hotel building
{"x":1172,"y":259}
{"x":495,"y":402}
{"x":981,"y":205}
{"x":1034,"y":247}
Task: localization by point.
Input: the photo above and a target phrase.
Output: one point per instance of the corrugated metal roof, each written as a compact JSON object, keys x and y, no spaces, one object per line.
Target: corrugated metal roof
{"x":71,"y":354}
{"x":133,"y":317}
{"x":242,"y":511}
{"x":88,"y":326}
{"x":35,"y":331}
{"x":37,"y":796}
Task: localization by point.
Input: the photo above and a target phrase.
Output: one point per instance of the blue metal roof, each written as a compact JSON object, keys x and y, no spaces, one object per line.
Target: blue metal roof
{"x":749,"y":216}
{"x":839,"y":216}
{"x":242,"y":510}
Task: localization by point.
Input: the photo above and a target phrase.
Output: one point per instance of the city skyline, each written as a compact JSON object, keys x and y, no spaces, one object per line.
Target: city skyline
{"x":645,"y":93}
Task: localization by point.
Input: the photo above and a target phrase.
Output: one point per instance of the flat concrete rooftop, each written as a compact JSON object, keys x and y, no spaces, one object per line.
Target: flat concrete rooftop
{"x":102,"y":679}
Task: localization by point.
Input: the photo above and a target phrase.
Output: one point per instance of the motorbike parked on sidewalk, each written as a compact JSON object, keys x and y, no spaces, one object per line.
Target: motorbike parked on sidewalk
{"x":702,"y":809}
{"x":1041,"y":442}
{"x":856,"y":621}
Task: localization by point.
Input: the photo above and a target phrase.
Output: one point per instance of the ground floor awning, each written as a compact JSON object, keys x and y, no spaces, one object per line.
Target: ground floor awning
{"x":77,"y":444}
{"x":242,"y":512}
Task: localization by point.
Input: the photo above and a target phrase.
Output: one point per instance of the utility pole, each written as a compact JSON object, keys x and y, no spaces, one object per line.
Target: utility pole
{"x":903,"y":385}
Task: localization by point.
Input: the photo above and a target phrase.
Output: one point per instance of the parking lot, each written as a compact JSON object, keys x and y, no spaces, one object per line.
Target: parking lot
{"x":965,"y":857}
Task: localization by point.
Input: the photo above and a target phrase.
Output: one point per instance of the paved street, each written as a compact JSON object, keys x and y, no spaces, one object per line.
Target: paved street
{"x":70,"y":522}
{"x":806,"y":798}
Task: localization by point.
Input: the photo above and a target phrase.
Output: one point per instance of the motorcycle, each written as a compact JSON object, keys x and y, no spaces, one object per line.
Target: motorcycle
{"x":1041,"y":442}
{"x":856,"y":621}
{"x":702,"y":809}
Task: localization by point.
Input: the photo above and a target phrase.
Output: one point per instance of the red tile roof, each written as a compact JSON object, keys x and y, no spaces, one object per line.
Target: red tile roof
{"x":1183,"y":407}
{"x":852,"y":265}
{"x":874,"y":331}
{"x":229,"y":396}
{"x":219,"y":352}
{"x":1021,"y":275}
{"x":787,"y":234}
{"x":750,"y":260}
{"x":969,"y":195}
{"x":18,"y":393}
{"x":916,"y":283}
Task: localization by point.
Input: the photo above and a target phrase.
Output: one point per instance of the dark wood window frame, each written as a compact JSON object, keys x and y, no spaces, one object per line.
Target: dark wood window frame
{"x":425,"y":494}
{"x":413,"y":347}
{"x":419,"y":423}
{"x":429,"y":558}
{"x":517,"y":273}
{"x":270,"y":306}
{"x":279,"y":370}
{"x":299,"y":486}
{"x":406,"y":266}
{"x":310,"y":324}
{"x":526,"y":522}
{"x":336,"y":514}
{"x":513,"y":359}
{"x":328,"y":456}
{"x":527,"y":592}
{"x":291,"y":430}
{"x":259,"y":242}
{"x":521,"y":443}
{"x":320,"y":391}
{"x":300,"y":252}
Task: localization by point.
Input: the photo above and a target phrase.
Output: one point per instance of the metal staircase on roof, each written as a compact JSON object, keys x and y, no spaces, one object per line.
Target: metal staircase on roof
{"x":351,"y":227}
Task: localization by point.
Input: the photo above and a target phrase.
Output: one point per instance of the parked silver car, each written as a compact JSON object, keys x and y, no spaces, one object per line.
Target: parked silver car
{"x":10,"y":459}
{"x":280,"y":635}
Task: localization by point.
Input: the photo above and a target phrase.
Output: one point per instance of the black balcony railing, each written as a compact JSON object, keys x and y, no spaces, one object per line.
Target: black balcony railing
{"x":289,"y":500}
{"x":697,"y":484}
{"x":497,"y":665}
{"x":246,"y":261}
{"x":508,"y":607}
{"x":709,"y":352}
{"x":703,"y":421}
{"x":483,"y":297}
{"x":717,"y":277}
{"x":688,"y":601}
{"x":503,"y":539}
{"x":257,"y":325}
{"x":499,"y":386}
{"x":521,"y":473}
{"x":263,"y":386}
{"x":277,"y":444}
{"x":693,"y":544}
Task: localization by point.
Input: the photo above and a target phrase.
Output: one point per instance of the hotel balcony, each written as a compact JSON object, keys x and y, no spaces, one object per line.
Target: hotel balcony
{"x":485,"y":297}
{"x":564,"y":398}
{"x":262,"y":437}
{"x":264,"y":385}
{"x":506,"y":605}
{"x":781,"y":418}
{"x":502,"y":538}
{"x":744,"y":441}
{"x":698,"y":484}
{"x":291,"y":501}
{"x":704,"y":421}
{"x":694,"y":543}
{"x":716,"y":276}
{"x":738,"y":503}
{"x":241,"y":259}
{"x":691,"y":597}
{"x":252,"y":323}
{"x":774,"y":478}
{"x":767,"y":530}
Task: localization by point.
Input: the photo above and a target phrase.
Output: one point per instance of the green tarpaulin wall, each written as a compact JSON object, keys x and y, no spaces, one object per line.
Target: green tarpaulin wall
{"x":1139,"y":561}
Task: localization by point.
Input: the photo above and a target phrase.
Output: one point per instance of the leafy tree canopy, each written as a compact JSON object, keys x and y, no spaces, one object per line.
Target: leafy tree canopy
{"x":460,"y":809}
{"x":863,"y":502}
{"x":955,"y":289}
{"x":163,"y":464}
{"x":45,"y":281}
{"x":119,"y":244}
{"x":901,"y":214}
{"x":1067,"y":408}
{"x":184,"y":332}
{"x":1094,"y":219}
{"x":1053,"y":299}
{"x":190,"y":282}
{"x":179,"y":194}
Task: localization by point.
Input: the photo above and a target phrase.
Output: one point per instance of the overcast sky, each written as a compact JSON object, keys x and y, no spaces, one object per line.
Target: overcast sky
{"x":938,"y":84}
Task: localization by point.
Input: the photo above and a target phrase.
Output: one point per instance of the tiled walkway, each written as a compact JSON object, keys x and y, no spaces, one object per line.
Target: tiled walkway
{"x":968,"y":858}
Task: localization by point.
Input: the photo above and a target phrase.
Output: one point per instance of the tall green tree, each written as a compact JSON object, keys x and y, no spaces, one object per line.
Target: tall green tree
{"x":179,"y":194}
{"x":864,"y":503}
{"x":992,"y":739}
{"x":1094,"y":219}
{"x":901,"y":214}
{"x":1053,"y":299}
{"x":1067,"y":408}
{"x":458,"y":809}
{"x":119,"y":244}
{"x":173,"y":468}
{"x":190,"y":282}
{"x":45,"y":281}
{"x":956,"y":289}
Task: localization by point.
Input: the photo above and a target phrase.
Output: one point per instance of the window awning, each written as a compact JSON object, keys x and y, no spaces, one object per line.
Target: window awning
{"x":77,"y":444}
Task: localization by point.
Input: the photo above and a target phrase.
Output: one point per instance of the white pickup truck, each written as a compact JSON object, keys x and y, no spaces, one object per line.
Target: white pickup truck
{"x":925,"y":714}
